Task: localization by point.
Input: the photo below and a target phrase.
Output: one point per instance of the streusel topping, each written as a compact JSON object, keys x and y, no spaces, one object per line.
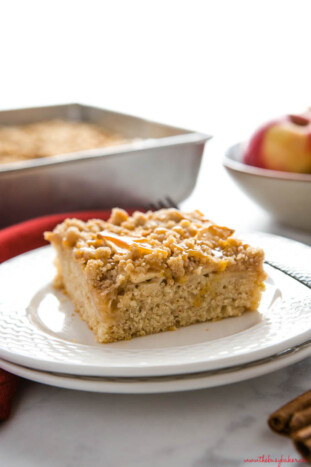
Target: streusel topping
{"x":166,"y":243}
{"x":48,"y":138}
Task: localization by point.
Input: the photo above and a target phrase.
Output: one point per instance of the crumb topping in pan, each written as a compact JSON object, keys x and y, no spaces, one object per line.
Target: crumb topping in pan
{"x":52,"y":137}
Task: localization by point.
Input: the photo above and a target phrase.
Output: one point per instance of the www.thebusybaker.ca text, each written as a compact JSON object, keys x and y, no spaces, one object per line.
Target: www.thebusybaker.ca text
{"x":275,"y":460}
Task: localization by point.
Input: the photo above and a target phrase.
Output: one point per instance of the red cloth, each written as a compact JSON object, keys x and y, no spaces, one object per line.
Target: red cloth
{"x":19,"y":238}
{"x":8,"y":386}
{"x":14,"y":241}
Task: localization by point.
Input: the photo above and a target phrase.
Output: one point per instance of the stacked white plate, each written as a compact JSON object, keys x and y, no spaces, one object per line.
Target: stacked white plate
{"x":43,"y":339}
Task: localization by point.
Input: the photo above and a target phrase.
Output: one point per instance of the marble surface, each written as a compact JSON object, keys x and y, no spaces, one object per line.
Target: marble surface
{"x":214,"y":427}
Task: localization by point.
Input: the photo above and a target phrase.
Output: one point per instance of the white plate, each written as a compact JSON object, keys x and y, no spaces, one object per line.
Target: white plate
{"x":165,"y":383}
{"x":39,"y":329}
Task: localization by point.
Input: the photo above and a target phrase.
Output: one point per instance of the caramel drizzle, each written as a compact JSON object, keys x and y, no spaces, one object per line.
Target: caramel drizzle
{"x":125,"y":242}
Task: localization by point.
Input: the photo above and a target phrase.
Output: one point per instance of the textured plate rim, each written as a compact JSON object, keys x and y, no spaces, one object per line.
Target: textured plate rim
{"x":154,"y":370}
{"x":157,"y":385}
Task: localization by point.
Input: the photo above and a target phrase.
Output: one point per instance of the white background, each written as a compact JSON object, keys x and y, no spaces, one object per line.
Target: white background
{"x":211,"y":65}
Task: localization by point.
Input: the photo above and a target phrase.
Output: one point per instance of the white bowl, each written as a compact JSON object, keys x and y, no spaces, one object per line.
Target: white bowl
{"x":285,"y":195}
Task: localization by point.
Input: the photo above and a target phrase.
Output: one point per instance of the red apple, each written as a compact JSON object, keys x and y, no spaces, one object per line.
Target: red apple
{"x":283,"y":144}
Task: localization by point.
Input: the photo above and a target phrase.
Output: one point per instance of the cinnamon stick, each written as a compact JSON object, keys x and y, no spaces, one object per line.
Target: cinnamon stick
{"x":302,"y":441}
{"x":280,"y":420}
{"x":300,"y":419}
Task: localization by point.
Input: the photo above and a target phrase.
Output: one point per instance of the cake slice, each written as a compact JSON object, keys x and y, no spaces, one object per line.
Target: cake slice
{"x":155,"y":271}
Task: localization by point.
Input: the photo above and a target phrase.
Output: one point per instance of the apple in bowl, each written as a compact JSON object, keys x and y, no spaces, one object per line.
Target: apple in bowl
{"x":283,"y":144}
{"x":284,"y":195}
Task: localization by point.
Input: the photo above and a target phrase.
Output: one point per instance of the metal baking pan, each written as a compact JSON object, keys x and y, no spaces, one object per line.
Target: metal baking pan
{"x":163,"y":162}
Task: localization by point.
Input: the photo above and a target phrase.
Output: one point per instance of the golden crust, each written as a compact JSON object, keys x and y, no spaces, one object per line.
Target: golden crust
{"x":166,"y":242}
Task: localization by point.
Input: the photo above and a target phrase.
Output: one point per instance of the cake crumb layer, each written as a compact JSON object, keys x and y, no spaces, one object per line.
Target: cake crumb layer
{"x":151,"y":272}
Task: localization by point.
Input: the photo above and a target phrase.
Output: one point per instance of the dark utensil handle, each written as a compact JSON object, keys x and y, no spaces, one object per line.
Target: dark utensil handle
{"x":303,"y":278}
